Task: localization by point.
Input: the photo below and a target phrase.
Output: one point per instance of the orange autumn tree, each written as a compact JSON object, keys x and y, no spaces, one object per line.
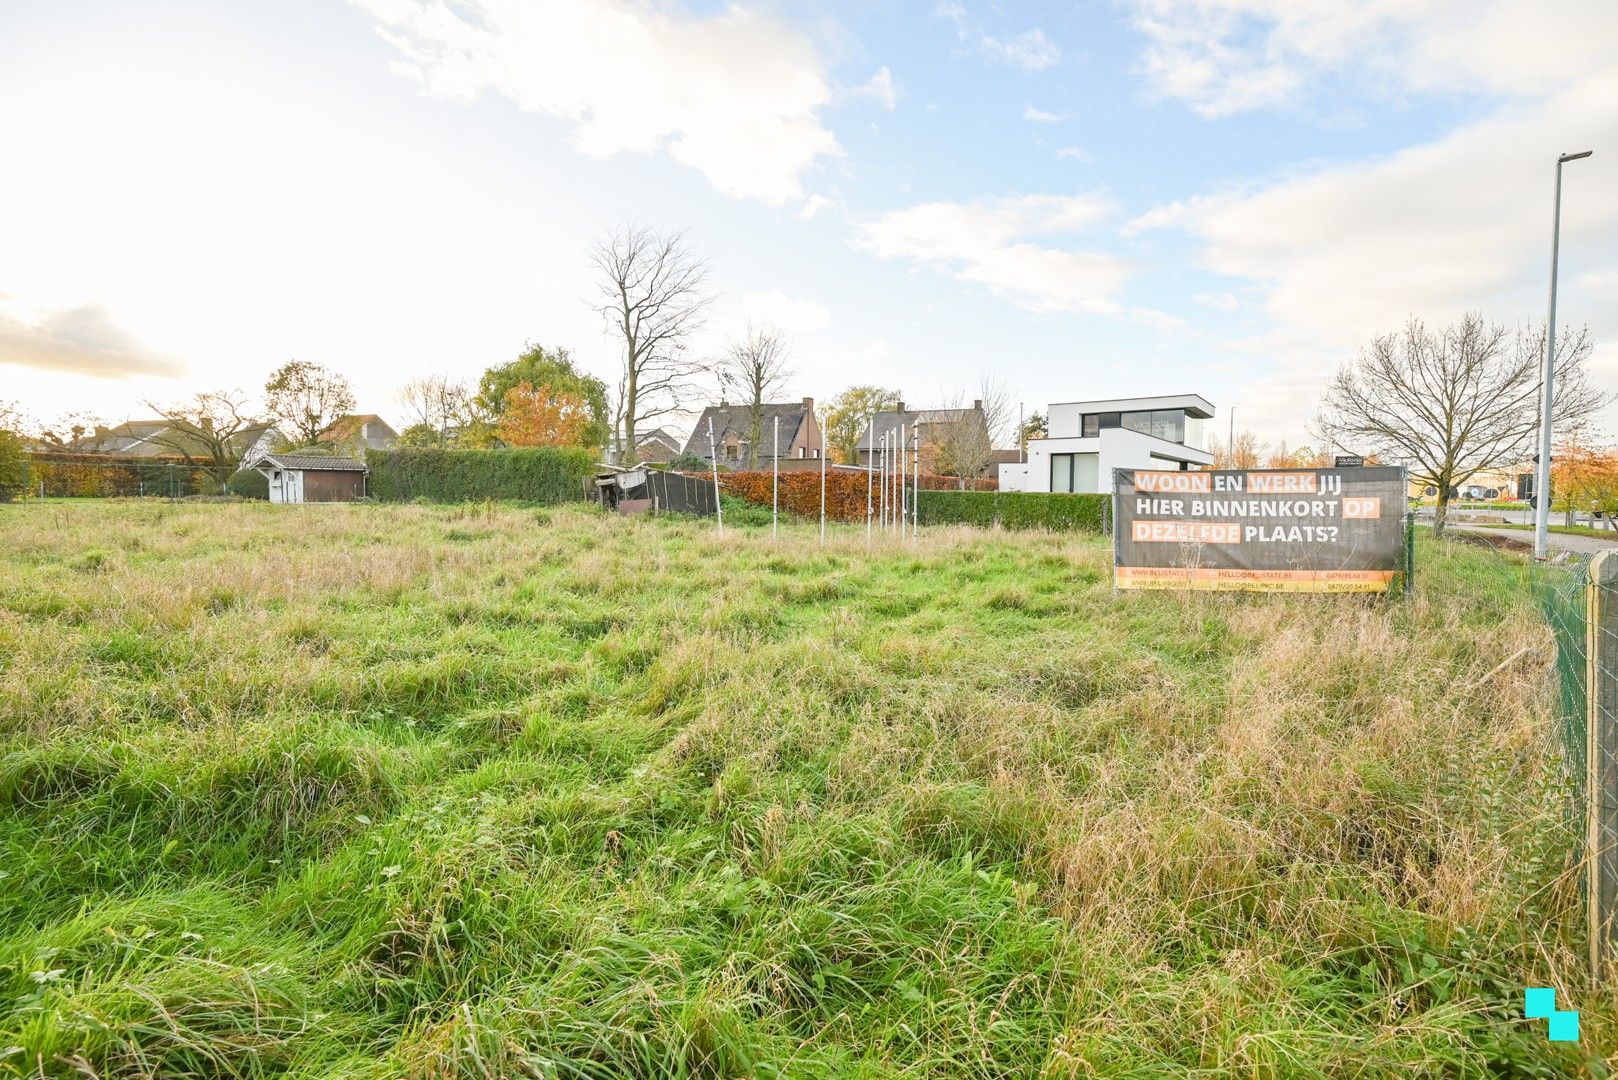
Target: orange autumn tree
{"x":1584,"y":477}
{"x":539,"y":416}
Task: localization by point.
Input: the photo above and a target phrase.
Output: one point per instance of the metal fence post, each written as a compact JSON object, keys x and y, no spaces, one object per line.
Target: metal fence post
{"x":718,"y":504}
{"x":1601,"y":757}
{"x":1410,"y":551}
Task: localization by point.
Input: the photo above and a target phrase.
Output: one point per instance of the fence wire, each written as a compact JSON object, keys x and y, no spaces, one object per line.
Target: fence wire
{"x":1562,"y":592}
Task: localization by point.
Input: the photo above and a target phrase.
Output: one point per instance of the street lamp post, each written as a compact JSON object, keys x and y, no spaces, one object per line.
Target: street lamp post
{"x":1542,"y":473}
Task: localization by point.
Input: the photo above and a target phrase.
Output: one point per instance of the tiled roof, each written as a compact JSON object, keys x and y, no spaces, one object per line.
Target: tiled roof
{"x":738,"y":420}
{"x":312,"y":462}
{"x":892,"y":420}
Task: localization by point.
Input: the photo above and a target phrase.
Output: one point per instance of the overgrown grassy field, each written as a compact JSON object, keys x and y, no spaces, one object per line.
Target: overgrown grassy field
{"x":380,"y":791}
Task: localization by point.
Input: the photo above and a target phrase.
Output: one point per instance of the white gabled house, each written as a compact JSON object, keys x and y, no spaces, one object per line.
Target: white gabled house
{"x":1085,"y":440}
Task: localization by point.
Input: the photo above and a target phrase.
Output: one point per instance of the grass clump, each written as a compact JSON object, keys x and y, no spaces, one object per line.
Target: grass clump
{"x":407,"y":790}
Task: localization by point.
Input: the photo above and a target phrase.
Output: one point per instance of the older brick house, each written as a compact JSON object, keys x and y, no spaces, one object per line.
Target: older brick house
{"x":732,"y":433}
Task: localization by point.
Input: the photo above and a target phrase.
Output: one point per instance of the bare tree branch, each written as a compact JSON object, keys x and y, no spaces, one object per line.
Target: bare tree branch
{"x":653,"y":295}
{"x":211,"y":431}
{"x":755,"y":367}
{"x":1451,"y":404}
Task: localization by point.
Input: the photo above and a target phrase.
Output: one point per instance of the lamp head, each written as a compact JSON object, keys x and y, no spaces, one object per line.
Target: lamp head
{"x":1574,"y":157}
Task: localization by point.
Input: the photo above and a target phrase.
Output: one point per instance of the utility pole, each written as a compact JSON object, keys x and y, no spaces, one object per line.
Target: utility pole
{"x":1542,"y":473}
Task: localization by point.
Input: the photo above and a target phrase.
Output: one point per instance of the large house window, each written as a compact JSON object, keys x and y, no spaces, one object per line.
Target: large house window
{"x":1094,"y":424}
{"x":1061,"y":472}
{"x":1165,"y":424}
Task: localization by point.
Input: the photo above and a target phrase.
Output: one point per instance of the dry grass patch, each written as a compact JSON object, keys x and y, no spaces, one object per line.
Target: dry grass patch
{"x":485,"y":791}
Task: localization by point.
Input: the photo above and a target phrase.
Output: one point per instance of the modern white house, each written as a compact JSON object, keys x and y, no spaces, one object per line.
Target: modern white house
{"x":1085,"y":440}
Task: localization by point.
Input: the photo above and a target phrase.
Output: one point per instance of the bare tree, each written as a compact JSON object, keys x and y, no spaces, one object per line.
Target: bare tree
{"x":435,"y":403}
{"x":965,"y":435}
{"x":306,"y":397}
{"x":1453,"y":403}
{"x":755,"y":367}
{"x":653,"y":295}
{"x":212,"y":431}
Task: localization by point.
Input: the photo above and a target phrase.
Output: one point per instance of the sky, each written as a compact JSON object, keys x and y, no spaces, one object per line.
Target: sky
{"x":1092,"y":200}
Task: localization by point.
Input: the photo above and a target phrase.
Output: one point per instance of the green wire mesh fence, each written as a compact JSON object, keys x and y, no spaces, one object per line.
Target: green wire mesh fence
{"x":1561,"y":591}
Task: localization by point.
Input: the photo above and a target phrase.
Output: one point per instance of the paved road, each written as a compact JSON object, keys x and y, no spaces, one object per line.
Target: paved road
{"x":1583,"y":545}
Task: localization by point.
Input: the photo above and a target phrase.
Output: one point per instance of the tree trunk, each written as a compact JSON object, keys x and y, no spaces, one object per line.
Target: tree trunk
{"x":629,"y":454}
{"x":1441,"y":512}
{"x":756,"y":434}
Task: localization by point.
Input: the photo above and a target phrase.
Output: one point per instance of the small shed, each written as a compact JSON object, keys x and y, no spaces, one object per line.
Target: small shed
{"x":637,"y":490}
{"x":312,"y":478}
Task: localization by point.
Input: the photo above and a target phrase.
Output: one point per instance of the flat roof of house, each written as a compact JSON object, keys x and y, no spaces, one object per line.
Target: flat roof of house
{"x":1193,"y":404}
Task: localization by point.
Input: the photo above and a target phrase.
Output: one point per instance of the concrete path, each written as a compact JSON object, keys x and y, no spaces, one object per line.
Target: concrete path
{"x":1583,"y":545}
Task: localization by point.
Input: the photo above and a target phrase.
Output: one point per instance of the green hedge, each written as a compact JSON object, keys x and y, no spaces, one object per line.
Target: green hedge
{"x":15,"y":479}
{"x":249,"y":484}
{"x":539,"y":475}
{"x":1015,"y":509}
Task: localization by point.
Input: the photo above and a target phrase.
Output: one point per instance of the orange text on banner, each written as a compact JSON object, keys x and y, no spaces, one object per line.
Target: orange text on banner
{"x":1362,"y":506}
{"x":1281,"y":483}
{"x":1194,"y":482}
{"x":1187,"y":532}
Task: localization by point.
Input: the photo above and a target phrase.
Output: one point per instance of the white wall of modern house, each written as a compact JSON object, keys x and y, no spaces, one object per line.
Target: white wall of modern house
{"x":1086,"y":440}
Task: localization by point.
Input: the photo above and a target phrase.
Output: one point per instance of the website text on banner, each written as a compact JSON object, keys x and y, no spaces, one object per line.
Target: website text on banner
{"x":1304,"y":530}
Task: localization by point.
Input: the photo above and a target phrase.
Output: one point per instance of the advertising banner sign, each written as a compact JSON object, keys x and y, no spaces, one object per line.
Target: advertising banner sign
{"x":1264,"y":530}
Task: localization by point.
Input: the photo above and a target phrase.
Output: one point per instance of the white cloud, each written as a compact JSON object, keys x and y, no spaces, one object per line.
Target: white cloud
{"x":1029,"y":50}
{"x":1224,"y":301}
{"x":1075,"y":153}
{"x":80,"y":341}
{"x":813,"y":205}
{"x":990,"y":243}
{"x":1226,"y":56}
{"x":1462,"y":223}
{"x":785,"y":313}
{"x":1040,"y":116}
{"x":880,"y":88}
{"x":735,"y":96}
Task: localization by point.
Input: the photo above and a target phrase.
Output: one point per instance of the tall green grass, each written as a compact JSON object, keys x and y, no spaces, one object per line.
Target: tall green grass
{"x":380,"y":791}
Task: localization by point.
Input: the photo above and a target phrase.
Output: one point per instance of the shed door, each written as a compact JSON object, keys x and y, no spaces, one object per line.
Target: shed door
{"x":328,"y":485}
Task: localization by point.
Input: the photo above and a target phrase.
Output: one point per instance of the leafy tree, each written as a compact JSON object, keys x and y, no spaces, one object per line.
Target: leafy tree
{"x":420,"y":435}
{"x":1034,"y":427}
{"x":684,"y":462}
{"x":847,"y":415}
{"x":303,"y":399}
{"x":1584,"y":477}
{"x":537,"y":366}
{"x":1303,"y":457}
{"x":13,"y":466}
{"x":540,"y":416}
{"x":1245,"y":453}
{"x":1453,"y":403}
